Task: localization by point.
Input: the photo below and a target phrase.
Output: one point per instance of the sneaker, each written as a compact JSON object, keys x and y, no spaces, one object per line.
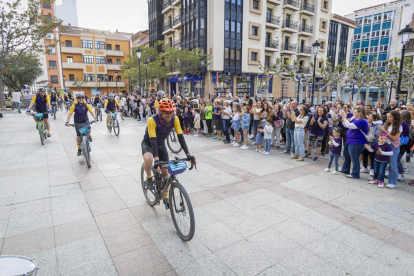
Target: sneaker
{"x":387,"y":174}
{"x":381,"y":184}
{"x":327,"y":170}
{"x":79,"y":152}
{"x":308,"y":155}
{"x":405,"y":170}
{"x":335,"y":172}
{"x":294,"y":157}
{"x":400,"y":177}
{"x":408,"y":159}
{"x":196,"y":135}
{"x":371,"y":172}
{"x":236,"y":145}
{"x":48,"y":135}
{"x":232,"y":142}
{"x":322,"y":154}
{"x":315,"y":158}
{"x":373,"y":181}
{"x":349,"y":176}
{"x":266,"y":153}
{"x":285,"y":152}
{"x":90,"y":139}
{"x":391,"y":186}
{"x":226,"y":142}
{"x":215,"y":137}
{"x":254,"y":143}
{"x":364,"y":170}
{"x":149,"y":183}
{"x":244,"y":147}
{"x":300,"y":159}
{"x":232,"y":138}
{"x":256,"y":150}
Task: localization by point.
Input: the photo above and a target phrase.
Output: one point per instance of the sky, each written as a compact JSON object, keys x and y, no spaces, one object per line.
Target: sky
{"x":132,"y":15}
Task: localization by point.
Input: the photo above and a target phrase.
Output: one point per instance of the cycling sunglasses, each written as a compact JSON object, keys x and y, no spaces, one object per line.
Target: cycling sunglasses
{"x":168,"y":112}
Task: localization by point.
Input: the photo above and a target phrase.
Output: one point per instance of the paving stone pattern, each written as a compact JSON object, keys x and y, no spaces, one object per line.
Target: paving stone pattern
{"x":255,"y":214}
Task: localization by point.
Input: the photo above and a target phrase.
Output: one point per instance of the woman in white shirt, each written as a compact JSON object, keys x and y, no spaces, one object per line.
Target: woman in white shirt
{"x":122,"y":101}
{"x":299,"y":134}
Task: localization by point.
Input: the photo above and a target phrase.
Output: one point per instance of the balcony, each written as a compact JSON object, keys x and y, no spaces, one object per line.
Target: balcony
{"x":288,"y":48}
{"x":167,"y":28}
{"x":291,"y":5}
{"x":77,"y":65}
{"x":176,"y":2}
{"x":114,"y":67}
{"x":115,"y":53}
{"x":308,"y":9}
{"x":306,"y":70}
{"x":167,"y":6}
{"x":71,"y":50}
{"x":410,"y":45}
{"x":111,"y":84}
{"x":177,"y":43}
{"x":289,"y":26}
{"x":271,"y":45}
{"x":274,"y":2}
{"x":305,"y":30}
{"x":304,"y":51}
{"x":290,"y":68}
{"x":273,"y":21}
{"x":177,"y":21}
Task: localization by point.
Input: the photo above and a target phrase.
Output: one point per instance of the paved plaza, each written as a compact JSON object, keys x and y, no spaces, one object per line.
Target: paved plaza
{"x":255,"y":214}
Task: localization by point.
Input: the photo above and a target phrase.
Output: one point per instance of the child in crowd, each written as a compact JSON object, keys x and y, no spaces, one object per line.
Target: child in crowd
{"x":197,"y":121}
{"x":245,"y":123}
{"x":259,"y":139}
{"x":268,"y":130}
{"x":335,"y":142}
{"x":141,"y":111}
{"x":237,"y":124}
{"x":383,"y":151}
{"x":187,"y":118}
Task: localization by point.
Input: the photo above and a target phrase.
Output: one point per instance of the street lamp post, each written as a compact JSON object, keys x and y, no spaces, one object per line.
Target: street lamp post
{"x":299,"y":74}
{"x":202,"y":73}
{"x":139,"y":52}
{"x":116,"y":81}
{"x":315,"y":47}
{"x":107,"y":87}
{"x":129,"y":83}
{"x":146,"y":77}
{"x":99,"y":84}
{"x":405,"y":37}
{"x":283,"y":84}
{"x":64,"y":84}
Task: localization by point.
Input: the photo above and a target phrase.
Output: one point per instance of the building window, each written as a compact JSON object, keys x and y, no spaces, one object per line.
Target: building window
{"x":367,"y":21}
{"x":109,"y":61}
{"x":387,"y":16}
{"x":117,"y":48}
{"x":109,"y":46}
{"x":119,"y":79}
{"x":54,"y":79}
{"x":385,"y":33}
{"x":99,"y":45}
{"x":255,"y":31}
{"x":377,"y":18}
{"x":71,"y":77}
{"x":357,"y":36}
{"x":325,"y":5}
{"x":48,"y":18}
{"x":253,"y":56}
{"x":227,"y":25}
{"x":364,"y":50}
{"x":267,"y":61}
{"x":226,"y":53}
{"x":255,"y":5}
{"x":373,"y":49}
{"x":375,"y":34}
{"x":100,"y":60}
{"x":323,"y":25}
{"x":51,"y":50}
{"x":89,"y":77}
{"x":365,"y":36}
{"x":46,"y":4}
{"x":238,"y":54}
{"x":110,"y":78}
{"x":49,"y":36}
{"x":52,"y":64}
{"x":69,"y":59}
{"x":355,"y":52}
{"x":383,"y":48}
{"x":322,"y":45}
{"x":68,"y":43}
{"x":88,"y":59}
{"x":87,"y":44}
{"x":118,"y":62}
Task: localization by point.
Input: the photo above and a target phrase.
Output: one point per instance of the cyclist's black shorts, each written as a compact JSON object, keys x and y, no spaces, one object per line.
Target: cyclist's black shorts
{"x":107,"y":111}
{"x":77,"y":131}
{"x":162,"y":150}
{"x":45,"y":113}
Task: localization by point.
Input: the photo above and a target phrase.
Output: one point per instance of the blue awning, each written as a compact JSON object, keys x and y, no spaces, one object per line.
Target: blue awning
{"x":188,"y":78}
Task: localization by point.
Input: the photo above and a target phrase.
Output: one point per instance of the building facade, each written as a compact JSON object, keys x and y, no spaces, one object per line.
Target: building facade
{"x":155,"y":21}
{"x":140,"y":39}
{"x":67,"y":12}
{"x":92,"y":59}
{"x":244,"y":36}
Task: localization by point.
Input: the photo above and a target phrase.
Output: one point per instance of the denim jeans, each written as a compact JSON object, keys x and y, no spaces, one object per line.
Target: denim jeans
{"x":399,"y":164}
{"x":267,"y":144}
{"x":379,"y":170}
{"x":299,"y":134}
{"x":332,"y":157}
{"x":14,"y":104}
{"x":226,"y":123}
{"x":392,"y":179}
{"x":256,"y":123}
{"x":351,"y":154}
{"x":290,"y":137}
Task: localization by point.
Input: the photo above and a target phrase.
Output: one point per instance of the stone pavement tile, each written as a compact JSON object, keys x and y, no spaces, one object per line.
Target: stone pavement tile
{"x":306,"y":200}
{"x":114,"y":172}
{"x":63,"y":190}
{"x":244,"y":224}
{"x":94,"y":184}
{"x":46,"y":261}
{"x":288,"y":207}
{"x":361,"y":242}
{"x":268,"y":215}
{"x":145,"y":261}
{"x":101,"y":268}
{"x":1,"y":244}
{"x":298,"y":231}
{"x":222,"y":209}
{"x":304,"y":183}
{"x":244,"y":202}
{"x":107,"y":205}
{"x":356,"y":202}
{"x":121,"y":179}
{"x":7,"y":200}
{"x":209,"y":265}
{"x":125,"y":240}
{"x":304,"y":262}
{"x":245,"y":187}
{"x":403,"y":241}
{"x":373,"y":267}
{"x":371,"y":228}
{"x":90,"y":176}
{"x":244,"y":258}
{"x":29,"y":243}
{"x":217,"y":235}
{"x":33,"y":195}
{"x":338,"y":254}
{"x":62,"y":177}
{"x":202,"y":198}
{"x":202,"y":217}
{"x":396,"y":258}
{"x":81,"y":253}
{"x":384,"y":218}
{"x":225,"y":191}
{"x":145,"y":212}
{"x":31,"y":207}
{"x":115,"y":220}
{"x":109,"y":166}
{"x":276,"y":269}
{"x":317,"y":221}
{"x":281,"y":190}
{"x":335,"y":212}
{"x":99,"y":194}
{"x":274,"y":244}
{"x":407,"y":228}
{"x":3,"y":228}
{"x":75,"y":231}
{"x":70,"y":214}
{"x":31,"y":222}
{"x":5,"y":212}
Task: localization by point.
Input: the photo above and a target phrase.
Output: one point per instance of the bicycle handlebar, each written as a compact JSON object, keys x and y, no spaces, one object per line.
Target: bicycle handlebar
{"x":74,"y":125}
{"x":177,"y":160}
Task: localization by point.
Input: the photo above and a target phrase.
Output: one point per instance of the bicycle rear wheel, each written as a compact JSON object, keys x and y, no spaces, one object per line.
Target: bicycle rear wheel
{"x":85,"y":150}
{"x":149,"y":195}
{"x":116,"y":127}
{"x":181,"y":211}
{"x":172,"y":142}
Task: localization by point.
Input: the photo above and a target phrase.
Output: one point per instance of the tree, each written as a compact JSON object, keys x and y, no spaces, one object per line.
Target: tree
{"x":22,"y":30}
{"x":79,"y":83}
{"x":21,"y":71}
{"x":359,"y":73}
{"x":408,"y":77}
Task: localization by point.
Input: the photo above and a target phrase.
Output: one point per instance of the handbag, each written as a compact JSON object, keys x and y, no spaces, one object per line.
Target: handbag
{"x":404,"y":140}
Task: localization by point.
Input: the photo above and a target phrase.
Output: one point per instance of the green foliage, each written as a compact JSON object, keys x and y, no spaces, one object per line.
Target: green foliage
{"x":22,"y":70}
{"x":79,"y":83}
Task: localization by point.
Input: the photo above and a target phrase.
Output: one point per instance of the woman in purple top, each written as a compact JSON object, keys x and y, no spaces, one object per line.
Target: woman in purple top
{"x":405,"y":123}
{"x":339,"y":118}
{"x":318,"y":124}
{"x":355,"y":140}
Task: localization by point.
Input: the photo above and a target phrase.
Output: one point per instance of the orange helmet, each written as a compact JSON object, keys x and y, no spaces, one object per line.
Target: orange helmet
{"x":166,"y":105}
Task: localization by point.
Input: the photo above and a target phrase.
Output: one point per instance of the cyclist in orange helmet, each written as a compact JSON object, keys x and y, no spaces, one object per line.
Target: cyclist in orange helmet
{"x":153,"y":144}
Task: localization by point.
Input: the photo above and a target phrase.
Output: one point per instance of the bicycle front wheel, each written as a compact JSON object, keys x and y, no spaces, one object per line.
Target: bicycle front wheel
{"x":181,"y":211}
{"x":85,"y":149}
{"x":172,"y":142}
{"x":54,"y":113}
{"x":41,"y":133}
{"x":116,"y":127}
{"x":149,"y":195}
